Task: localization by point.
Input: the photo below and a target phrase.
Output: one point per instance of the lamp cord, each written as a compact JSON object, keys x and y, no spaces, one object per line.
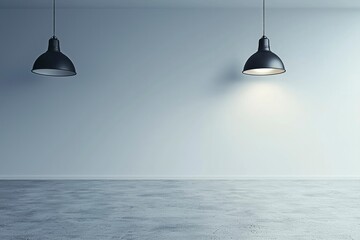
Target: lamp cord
{"x":54,"y":18}
{"x":263,"y":17}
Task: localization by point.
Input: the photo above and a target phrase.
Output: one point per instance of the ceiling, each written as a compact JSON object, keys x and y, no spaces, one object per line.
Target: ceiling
{"x":180,"y":3}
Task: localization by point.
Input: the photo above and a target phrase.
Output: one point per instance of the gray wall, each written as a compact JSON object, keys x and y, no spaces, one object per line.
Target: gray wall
{"x":160,"y":93}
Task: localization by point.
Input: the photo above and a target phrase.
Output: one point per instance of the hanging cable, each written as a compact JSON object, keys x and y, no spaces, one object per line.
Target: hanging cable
{"x":54,"y":18}
{"x":263,"y":17}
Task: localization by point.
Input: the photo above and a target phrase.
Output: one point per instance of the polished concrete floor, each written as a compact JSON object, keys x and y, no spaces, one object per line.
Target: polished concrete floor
{"x":159,"y":210}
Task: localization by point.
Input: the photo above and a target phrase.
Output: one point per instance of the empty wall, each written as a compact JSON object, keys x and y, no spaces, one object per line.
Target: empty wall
{"x":159,"y":93}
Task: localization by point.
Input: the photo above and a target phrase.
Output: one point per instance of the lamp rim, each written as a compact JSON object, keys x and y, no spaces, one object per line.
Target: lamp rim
{"x":69,"y":73}
{"x":248,"y":71}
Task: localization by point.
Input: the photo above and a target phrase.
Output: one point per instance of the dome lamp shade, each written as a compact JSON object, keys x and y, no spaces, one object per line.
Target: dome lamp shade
{"x":53,"y":62}
{"x":264,"y":62}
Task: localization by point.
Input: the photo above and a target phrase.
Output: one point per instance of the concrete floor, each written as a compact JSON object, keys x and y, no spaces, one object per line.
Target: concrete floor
{"x":159,"y":210}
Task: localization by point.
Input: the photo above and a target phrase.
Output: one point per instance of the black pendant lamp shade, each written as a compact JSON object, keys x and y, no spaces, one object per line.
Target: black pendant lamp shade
{"x":264,"y":62}
{"x":53,"y":62}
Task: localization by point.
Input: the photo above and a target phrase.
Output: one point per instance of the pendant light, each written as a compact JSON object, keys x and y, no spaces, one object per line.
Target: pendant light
{"x":264,"y":62}
{"x":53,"y":62}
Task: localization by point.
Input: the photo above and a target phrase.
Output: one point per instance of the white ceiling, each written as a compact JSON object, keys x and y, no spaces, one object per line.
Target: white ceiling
{"x":180,"y":3}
